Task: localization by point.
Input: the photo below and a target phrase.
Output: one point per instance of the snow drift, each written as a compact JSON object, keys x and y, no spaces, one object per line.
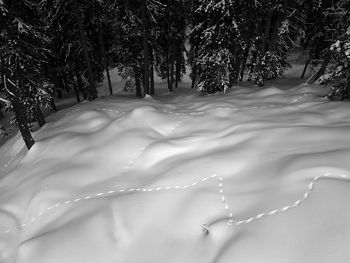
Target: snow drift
{"x":120,"y":180}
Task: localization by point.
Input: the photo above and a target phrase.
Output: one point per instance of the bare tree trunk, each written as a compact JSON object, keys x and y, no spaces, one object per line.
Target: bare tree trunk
{"x":52,"y":100}
{"x":194,"y":75}
{"x":57,"y":85}
{"x":277,"y":22}
{"x":194,"y":69}
{"x":172,"y":47}
{"x":167,"y":67}
{"x":152,"y":91}
{"x":20,"y":115}
{"x":81,"y":85}
{"x":65,"y":83}
{"x":166,"y":44}
{"x":305,"y":68}
{"x":105,"y":60}
{"x":178,"y":62}
{"x":76,"y":90}
{"x":145,"y":33}
{"x":266,"y":42}
{"x":236,"y":65}
{"x":2,"y":70}
{"x":61,"y":83}
{"x":53,"y":104}
{"x":39,"y":116}
{"x":92,"y":87}
{"x":22,"y":123}
{"x":244,"y":60}
{"x":137,"y":83}
{"x":322,"y":69}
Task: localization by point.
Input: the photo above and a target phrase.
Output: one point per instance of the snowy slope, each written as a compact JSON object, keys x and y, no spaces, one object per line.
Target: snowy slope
{"x":127,"y":180}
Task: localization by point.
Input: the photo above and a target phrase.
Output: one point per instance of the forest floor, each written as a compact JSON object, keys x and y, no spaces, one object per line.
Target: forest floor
{"x":263,"y":171}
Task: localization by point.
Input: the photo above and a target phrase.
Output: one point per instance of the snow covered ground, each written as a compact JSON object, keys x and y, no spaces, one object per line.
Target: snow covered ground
{"x":128,"y":180}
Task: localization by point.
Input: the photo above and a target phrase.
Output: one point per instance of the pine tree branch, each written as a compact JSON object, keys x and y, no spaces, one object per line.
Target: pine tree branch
{"x":4,"y":100}
{"x":5,"y":85}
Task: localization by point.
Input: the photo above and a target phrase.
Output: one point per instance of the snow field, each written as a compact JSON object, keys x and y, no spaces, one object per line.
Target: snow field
{"x":119,"y":180}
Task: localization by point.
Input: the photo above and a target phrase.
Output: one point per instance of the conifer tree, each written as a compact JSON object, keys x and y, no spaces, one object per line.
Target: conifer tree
{"x":214,"y":35}
{"x":338,"y":75}
{"x":169,"y":40}
{"x":75,"y":27}
{"x":319,"y":36}
{"x":23,"y":54}
{"x":133,"y":30}
{"x":277,"y":26}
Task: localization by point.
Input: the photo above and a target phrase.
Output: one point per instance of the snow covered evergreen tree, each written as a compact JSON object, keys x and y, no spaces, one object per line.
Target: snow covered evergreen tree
{"x":319,"y":36}
{"x":339,"y":71}
{"x":277,"y":23}
{"x":74,"y":26}
{"x":327,"y":39}
{"x":126,"y":47}
{"x":215,"y":33}
{"x":133,"y":43}
{"x":168,"y":33}
{"x":23,"y":55}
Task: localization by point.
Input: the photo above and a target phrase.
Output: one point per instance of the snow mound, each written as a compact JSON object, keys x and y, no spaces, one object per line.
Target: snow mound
{"x":119,"y":180}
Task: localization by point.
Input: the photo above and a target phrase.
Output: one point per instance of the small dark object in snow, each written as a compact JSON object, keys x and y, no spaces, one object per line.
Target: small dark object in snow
{"x":205,"y":229}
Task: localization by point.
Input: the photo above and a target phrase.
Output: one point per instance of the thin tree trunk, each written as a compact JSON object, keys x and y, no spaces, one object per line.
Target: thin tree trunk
{"x":61,"y":84}
{"x":20,"y":115}
{"x":194,"y":75}
{"x":65,"y":83}
{"x":108,"y":76}
{"x":167,"y":67}
{"x":236,"y":63}
{"x":322,"y":69}
{"x":57,"y":85}
{"x":53,"y":104}
{"x":105,"y":60}
{"x":305,"y":68}
{"x":145,"y":36}
{"x":266,"y":42}
{"x":178,"y":63}
{"x":39,"y":116}
{"x":52,"y":100}
{"x":194,"y":69}
{"x":244,"y":60}
{"x":166,"y":44}
{"x":81,"y":85}
{"x":152,"y":91}
{"x":137,"y":83}
{"x":92,"y":88}
{"x":76,"y":90}
{"x":22,"y":124}
{"x":172,"y":63}
{"x":2,"y":69}
{"x":278,"y":21}
{"x":237,"y":69}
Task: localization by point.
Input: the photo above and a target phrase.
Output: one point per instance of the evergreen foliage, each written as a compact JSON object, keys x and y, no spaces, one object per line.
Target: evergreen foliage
{"x":213,"y":39}
{"x":277,"y":29}
{"x":49,"y":46}
{"x":74,"y":26}
{"x":339,"y":72}
{"x":169,"y":37}
{"x":23,"y":56}
{"x":126,"y":46}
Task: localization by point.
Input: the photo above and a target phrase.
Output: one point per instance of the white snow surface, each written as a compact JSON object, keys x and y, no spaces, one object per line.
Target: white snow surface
{"x":133,"y":180}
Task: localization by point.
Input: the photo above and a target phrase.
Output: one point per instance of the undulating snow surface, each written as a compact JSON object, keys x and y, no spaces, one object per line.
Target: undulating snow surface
{"x":127,"y":180}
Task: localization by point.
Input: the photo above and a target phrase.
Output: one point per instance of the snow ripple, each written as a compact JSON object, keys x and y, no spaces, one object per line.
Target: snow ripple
{"x":220,"y":182}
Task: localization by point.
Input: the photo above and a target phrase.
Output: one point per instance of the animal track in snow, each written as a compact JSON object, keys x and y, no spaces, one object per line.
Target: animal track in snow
{"x":231,"y":221}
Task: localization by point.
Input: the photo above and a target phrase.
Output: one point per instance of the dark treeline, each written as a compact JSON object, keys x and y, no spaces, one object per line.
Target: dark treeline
{"x":51,"y":46}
